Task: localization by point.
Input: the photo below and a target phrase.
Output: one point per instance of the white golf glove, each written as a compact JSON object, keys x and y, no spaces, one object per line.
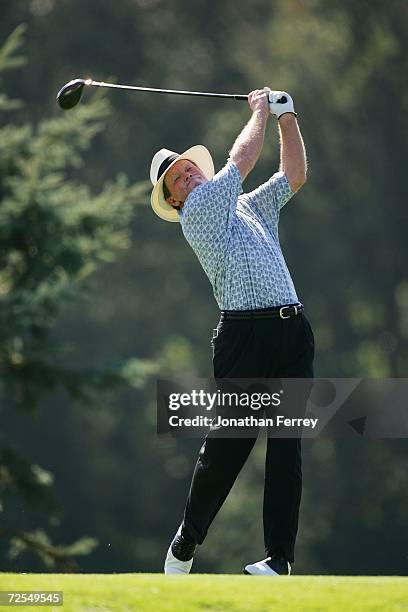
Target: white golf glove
{"x":280,"y":102}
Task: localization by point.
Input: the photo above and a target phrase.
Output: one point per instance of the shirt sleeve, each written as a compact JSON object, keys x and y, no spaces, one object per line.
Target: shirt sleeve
{"x":268,"y":199}
{"x":207,"y":214}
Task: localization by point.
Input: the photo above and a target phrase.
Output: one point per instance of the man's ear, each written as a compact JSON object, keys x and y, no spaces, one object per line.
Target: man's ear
{"x":172,"y":201}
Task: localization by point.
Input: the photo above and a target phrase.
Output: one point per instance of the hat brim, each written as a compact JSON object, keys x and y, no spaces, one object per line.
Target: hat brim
{"x":200,"y":156}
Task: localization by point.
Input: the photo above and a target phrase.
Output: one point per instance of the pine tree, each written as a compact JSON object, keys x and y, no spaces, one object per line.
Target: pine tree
{"x":54,"y":233}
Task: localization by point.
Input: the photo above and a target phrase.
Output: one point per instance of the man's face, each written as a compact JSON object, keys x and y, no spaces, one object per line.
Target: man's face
{"x":181,"y":179}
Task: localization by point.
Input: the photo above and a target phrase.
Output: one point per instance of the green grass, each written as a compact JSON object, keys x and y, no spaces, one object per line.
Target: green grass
{"x":213,"y":593}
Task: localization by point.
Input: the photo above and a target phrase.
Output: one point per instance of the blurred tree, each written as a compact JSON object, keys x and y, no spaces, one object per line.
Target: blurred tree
{"x":54,"y":233}
{"x":343,"y":237}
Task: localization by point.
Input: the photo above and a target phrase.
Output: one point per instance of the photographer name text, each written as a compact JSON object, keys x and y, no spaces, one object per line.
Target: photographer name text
{"x":248,"y":421}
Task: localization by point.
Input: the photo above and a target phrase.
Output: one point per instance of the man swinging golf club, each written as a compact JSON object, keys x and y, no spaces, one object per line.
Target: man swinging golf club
{"x":262,"y":333}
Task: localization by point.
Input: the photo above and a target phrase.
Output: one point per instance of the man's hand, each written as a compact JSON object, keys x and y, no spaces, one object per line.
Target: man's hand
{"x":280,"y":102}
{"x":258,"y":102}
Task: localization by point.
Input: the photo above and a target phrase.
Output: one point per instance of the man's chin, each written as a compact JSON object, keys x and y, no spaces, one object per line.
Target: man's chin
{"x":191,"y":186}
{"x":195,"y":183}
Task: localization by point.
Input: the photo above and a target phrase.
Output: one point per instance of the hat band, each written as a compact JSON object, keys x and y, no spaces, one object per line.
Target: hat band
{"x":165,"y":164}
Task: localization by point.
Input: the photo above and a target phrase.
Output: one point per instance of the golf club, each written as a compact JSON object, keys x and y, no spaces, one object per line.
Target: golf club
{"x":69,"y":95}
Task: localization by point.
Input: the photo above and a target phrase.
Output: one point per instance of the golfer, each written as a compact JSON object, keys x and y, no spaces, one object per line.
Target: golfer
{"x":262,"y":332}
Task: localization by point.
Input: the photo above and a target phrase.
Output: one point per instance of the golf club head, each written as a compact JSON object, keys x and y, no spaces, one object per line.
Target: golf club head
{"x":69,"y":95}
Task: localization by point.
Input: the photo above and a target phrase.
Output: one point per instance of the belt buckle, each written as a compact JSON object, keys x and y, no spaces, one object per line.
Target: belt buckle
{"x":215,"y":333}
{"x":282,"y":316}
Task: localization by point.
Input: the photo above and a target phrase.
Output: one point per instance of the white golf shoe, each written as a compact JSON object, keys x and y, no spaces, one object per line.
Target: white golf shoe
{"x":179,"y":557}
{"x":271,"y":566}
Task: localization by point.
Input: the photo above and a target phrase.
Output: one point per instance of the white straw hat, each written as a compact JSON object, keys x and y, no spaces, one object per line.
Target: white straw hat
{"x":162,"y":162}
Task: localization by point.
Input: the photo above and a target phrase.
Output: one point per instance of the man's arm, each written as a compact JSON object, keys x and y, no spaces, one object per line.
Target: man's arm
{"x":292,"y":151}
{"x":248,"y":146}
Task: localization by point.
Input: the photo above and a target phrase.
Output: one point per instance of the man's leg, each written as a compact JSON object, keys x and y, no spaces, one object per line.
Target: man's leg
{"x":219,"y":462}
{"x":220,"y":459}
{"x":282,"y":494}
{"x":236,"y":355}
{"x":283,"y":465}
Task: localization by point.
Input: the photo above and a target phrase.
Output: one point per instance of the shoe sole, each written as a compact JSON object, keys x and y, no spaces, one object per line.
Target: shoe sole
{"x":244,"y":571}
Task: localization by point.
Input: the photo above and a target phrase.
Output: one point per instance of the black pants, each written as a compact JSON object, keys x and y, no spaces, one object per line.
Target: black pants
{"x":255,"y":348}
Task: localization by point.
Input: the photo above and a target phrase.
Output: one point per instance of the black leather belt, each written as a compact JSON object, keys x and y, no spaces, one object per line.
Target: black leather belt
{"x":279,"y":312}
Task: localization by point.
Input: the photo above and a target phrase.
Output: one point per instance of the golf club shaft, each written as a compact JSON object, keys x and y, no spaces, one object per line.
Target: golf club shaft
{"x":166,"y":91}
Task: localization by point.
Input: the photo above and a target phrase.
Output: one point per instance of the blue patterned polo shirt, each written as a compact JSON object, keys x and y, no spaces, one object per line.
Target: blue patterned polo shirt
{"x":235,"y":237}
